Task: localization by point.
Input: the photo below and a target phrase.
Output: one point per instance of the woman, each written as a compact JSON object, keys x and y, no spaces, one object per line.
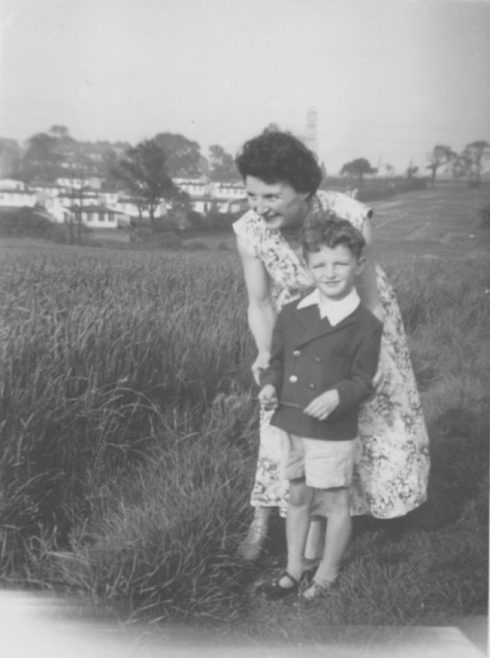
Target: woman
{"x":282,"y":177}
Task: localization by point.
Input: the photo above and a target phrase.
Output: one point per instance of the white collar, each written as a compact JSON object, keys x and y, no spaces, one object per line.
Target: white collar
{"x":333,"y":309}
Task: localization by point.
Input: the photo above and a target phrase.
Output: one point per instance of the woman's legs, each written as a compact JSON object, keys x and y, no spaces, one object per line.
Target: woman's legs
{"x":253,"y":543}
{"x":270,"y":488}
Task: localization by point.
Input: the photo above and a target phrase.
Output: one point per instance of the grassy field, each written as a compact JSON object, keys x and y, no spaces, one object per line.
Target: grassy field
{"x":129,"y":432}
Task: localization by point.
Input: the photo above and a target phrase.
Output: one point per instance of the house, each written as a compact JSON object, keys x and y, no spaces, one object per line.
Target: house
{"x":15,"y":194}
{"x":229,"y":191}
{"x":12,"y":184}
{"x":128,"y":207}
{"x":229,"y":197}
{"x":95,"y":216}
{"x":194,"y":187}
{"x":77,"y":198}
{"x":206,"y":195}
{"x":74,"y":183}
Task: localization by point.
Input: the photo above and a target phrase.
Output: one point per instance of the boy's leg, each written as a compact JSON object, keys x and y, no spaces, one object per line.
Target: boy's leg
{"x":337,"y":535}
{"x":299,"y":504}
{"x":297,"y":521}
{"x":315,"y":540}
{"x":297,"y":524}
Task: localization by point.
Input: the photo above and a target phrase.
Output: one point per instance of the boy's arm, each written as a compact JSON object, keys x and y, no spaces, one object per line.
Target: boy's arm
{"x":273,"y":374}
{"x":359,"y":386}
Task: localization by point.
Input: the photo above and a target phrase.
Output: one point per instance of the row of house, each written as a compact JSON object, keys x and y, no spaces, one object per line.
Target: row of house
{"x":86,"y":200}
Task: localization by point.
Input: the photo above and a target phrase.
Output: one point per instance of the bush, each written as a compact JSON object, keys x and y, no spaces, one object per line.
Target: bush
{"x":169,"y":240}
{"x":196,"y":245}
{"x":485,"y":217}
{"x":23,"y":222}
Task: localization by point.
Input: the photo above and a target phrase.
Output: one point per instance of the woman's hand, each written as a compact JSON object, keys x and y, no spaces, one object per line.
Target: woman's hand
{"x":323,"y":405}
{"x":260,"y":363}
{"x":268,"y":397}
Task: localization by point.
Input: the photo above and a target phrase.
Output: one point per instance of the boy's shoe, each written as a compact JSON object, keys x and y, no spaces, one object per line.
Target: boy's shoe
{"x":316,"y":591}
{"x":273,"y":591}
{"x":308,"y":574}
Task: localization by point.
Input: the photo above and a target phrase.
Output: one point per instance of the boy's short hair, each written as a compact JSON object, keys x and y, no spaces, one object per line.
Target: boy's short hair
{"x":324,"y":229}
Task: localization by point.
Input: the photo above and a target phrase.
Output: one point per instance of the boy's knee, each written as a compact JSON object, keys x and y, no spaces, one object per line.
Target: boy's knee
{"x":299,"y":493}
{"x":335,"y":501}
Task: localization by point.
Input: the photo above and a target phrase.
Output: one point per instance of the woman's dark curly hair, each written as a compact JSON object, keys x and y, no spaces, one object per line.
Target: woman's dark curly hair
{"x":276,"y":156}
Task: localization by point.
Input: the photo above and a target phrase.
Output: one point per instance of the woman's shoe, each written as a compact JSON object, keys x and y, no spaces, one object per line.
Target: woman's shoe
{"x":252,"y":545}
{"x":274,"y":591}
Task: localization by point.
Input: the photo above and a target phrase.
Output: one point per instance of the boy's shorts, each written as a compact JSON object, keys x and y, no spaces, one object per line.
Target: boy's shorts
{"x":323,"y":464}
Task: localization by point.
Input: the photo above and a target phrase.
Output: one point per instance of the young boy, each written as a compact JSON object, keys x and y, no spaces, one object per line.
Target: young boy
{"x":325,"y":351}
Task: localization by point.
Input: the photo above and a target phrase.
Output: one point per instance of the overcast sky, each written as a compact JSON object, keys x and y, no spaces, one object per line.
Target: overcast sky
{"x":388,"y":78}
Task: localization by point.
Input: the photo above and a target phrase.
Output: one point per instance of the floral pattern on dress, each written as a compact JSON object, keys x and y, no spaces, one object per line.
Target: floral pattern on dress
{"x":392,"y":467}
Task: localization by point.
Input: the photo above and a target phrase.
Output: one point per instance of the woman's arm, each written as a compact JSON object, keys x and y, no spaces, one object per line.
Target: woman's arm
{"x":261,"y":313}
{"x":366,"y":283}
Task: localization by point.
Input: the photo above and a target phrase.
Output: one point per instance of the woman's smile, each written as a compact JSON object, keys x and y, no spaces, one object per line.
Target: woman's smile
{"x":278,"y":203}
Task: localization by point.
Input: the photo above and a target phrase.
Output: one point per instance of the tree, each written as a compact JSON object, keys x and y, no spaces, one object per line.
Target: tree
{"x":49,"y":154}
{"x":183,"y":155}
{"x":10,"y":157}
{"x":271,"y":128}
{"x":462,"y":165}
{"x":222,"y":165}
{"x":474,"y":154}
{"x":358,"y":169}
{"x":412,"y":170}
{"x":42,"y":157}
{"x":143,"y":173}
{"x":59,"y":131}
{"x":440,"y":156}
{"x":389,"y":170}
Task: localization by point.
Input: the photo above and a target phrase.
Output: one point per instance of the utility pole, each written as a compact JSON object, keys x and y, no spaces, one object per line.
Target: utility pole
{"x":311,"y":132}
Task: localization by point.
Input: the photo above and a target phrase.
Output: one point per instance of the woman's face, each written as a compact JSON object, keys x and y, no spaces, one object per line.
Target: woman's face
{"x":278,"y":204}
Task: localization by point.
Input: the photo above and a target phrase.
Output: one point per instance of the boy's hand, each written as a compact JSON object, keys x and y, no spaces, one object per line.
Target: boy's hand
{"x":268,"y":397}
{"x":322,"y":406}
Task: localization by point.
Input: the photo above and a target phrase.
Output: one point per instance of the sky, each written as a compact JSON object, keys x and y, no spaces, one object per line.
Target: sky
{"x":388,"y":79}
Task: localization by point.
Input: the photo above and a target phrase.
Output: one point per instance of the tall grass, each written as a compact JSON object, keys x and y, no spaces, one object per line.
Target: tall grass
{"x":129,"y":433}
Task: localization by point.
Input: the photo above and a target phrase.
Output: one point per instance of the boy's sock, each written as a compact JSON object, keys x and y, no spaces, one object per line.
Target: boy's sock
{"x":311,"y":562}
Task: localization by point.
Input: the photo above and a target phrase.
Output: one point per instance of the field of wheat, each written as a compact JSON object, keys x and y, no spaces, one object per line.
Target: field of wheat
{"x":129,"y":435}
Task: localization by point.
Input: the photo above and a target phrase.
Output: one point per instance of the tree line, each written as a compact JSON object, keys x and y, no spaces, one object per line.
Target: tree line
{"x":50,"y":155}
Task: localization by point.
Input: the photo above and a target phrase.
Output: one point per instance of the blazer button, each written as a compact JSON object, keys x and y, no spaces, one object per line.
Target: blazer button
{"x":297,"y":353}
{"x":311,"y":386}
{"x":293,"y":379}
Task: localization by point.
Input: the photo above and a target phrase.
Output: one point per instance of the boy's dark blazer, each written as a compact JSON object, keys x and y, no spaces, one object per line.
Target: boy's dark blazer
{"x":310,"y":356}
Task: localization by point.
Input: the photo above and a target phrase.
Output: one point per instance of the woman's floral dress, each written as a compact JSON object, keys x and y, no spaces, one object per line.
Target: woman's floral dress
{"x":392,"y":468}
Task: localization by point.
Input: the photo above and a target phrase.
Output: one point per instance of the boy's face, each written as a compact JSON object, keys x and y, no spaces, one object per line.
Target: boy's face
{"x":334,"y":270}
